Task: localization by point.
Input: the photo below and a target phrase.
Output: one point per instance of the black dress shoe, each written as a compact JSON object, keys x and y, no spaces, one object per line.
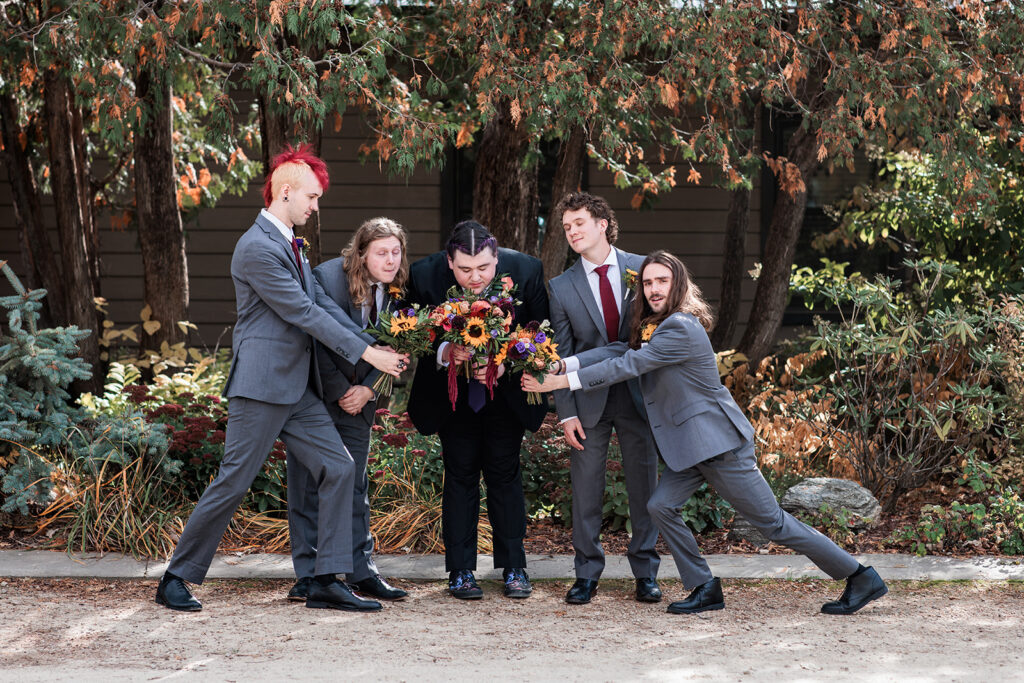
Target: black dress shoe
{"x":517,"y":583}
{"x":172,"y":593}
{"x":300,"y":591}
{"x":378,"y":588}
{"x":336,"y":595}
{"x":705,"y":597}
{"x":462,"y":585}
{"x":860,"y":590}
{"x":647,"y":590}
{"x":581,"y":592}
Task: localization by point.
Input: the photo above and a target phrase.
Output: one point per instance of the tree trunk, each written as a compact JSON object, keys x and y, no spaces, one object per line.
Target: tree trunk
{"x":568,"y":175}
{"x":505,"y":194}
{"x":87,"y":198}
{"x":71,"y":223}
{"x":161,"y":236}
{"x":734,"y":252}
{"x":780,"y":248}
{"x":276,"y":131}
{"x":38,"y":254}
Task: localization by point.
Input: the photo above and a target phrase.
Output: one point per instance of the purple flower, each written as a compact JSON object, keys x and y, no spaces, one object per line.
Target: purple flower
{"x":540,"y":338}
{"x":410,"y":312}
{"x":493,"y":299}
{"x":532,"y":348}
{"x":494,"y":333}
{"x":521,"y":347}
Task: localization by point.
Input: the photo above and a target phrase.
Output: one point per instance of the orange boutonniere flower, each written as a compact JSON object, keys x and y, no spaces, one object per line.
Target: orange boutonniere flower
{"x":395,"y":292}
{"x":630,"y":278}
{"x":645,"y":334}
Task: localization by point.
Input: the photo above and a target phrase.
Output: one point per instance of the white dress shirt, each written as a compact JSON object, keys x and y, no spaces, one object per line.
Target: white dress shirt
{"x":380,"y":303}
{"x":572,"y":364}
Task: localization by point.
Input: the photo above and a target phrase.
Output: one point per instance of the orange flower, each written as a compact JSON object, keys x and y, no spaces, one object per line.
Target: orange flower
{"x":401,"y":323}
{"x":645,"y":334}
{"x":479,"y":307}
{"x":499,"y":357}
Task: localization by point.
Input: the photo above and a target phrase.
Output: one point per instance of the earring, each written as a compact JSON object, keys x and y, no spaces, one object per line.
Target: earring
{"x":285,"y":198}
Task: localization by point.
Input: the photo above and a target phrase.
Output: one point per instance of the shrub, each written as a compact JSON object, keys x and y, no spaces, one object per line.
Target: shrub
{"x":912,"y":384}
{"x":36,"y":367}
{"x":960,"y":525}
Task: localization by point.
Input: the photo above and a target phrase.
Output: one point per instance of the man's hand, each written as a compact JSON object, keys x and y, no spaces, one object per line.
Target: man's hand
{"x":457,"y":354}
{"x":573,"y":429}
{"x":355,"y":399}
{"x":480,"y":372}
{"x":550,"y":383}
{"x":386,"y":361}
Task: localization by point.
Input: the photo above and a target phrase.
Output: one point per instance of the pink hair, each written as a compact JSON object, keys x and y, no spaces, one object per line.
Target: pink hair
{"x":303,"y":154}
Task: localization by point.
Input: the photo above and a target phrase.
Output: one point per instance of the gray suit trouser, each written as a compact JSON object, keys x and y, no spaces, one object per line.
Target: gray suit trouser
{"x":736,"y":478}
{"x":303,"y":502}
{"x":253,"y":426}
{"x":639,"y":464}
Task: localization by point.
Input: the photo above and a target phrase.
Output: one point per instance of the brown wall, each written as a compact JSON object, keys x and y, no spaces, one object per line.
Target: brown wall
{"x":689,"y":221}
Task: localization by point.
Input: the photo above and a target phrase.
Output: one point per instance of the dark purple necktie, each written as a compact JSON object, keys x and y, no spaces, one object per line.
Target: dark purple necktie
{"x":477,"y":396}
{"x":610,"y":309}
{"x":372,"y":320}
{"x":298,"y":259}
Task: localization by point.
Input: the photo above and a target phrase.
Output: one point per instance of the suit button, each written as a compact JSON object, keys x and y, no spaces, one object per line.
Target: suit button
{"x":307,"y":349}
{"x":657,"y":426}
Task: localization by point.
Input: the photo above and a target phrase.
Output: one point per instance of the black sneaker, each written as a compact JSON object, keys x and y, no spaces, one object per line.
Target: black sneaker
{"x":462,"y":585}
{"x":517,"y":583}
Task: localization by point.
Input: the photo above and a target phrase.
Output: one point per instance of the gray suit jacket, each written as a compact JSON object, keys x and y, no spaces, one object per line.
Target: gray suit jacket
{"x":336,"y":372}
{"x":578,"y":324}
{"x":272,"y":345}
{"x":691,"y":415}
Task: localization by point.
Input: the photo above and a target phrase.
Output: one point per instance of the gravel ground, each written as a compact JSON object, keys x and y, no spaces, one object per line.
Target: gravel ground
{"x":94,"y":630}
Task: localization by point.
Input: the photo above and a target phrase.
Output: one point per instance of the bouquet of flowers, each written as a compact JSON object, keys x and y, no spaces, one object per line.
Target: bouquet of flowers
{"x":480,"y":322}
{"x":531,"y":349}
{"x":406,"y":330}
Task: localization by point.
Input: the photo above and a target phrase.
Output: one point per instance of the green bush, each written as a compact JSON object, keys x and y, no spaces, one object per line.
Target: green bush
{"x":912,"y":383}
{"x":959,"y":525}
{"x":36,"y":414}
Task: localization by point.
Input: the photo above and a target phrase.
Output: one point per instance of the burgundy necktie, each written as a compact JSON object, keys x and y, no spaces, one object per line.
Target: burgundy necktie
{"x":611,"y":310}
{"x":298,"y":259}
{"x":372,"y":320}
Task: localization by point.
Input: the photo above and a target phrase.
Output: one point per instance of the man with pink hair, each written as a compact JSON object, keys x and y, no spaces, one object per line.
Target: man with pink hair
{"x":274,"y":391}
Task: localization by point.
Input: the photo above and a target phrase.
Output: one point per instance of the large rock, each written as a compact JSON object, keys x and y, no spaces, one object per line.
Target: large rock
{"x":808,"y":496}
{"x":742,"y":530}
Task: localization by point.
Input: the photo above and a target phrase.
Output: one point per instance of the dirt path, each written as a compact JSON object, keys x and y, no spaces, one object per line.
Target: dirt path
{"x":111,"y":631}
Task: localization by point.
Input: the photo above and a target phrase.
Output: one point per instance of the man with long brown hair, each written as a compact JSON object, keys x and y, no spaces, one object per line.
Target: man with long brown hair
{"x":590,"y":308}
{"x":702,"y":436}
{"x":365,"y":280}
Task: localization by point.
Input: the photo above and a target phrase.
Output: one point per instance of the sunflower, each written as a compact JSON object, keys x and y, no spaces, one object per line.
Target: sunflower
{"x":395,"y":292}
{"x":645,"y":334}
{"x":402,"y":323}
{"x":474,"y":333}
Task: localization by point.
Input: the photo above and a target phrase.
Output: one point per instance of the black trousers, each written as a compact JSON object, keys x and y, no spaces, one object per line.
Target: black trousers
{"x":485,"y":443}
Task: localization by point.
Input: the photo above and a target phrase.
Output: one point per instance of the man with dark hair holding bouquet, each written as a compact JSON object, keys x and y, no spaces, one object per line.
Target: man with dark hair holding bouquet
{"x":481,"y":434}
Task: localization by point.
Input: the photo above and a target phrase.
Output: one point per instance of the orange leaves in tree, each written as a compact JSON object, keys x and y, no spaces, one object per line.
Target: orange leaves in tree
{"x":693,"y":176}
{"x":669,"y":94}
{"x":516,"y":112}
{"x":465,"y":136}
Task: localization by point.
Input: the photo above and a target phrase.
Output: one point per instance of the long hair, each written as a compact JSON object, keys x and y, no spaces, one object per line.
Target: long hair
{"x":684,"y":296}
{"x":354,"y":255}
{"x":287,"y":168}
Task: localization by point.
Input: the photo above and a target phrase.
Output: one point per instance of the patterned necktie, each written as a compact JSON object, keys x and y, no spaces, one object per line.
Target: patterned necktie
{"x":610,"y":309}
{"x":298,"y":259}
{"x":372,"y":320}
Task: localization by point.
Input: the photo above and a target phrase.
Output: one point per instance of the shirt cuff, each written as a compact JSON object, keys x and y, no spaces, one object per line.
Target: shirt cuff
{"x":574,"y":381}
{"x":441,"y":362}
{"x":572,"y":364}
{"x":562,"y":422}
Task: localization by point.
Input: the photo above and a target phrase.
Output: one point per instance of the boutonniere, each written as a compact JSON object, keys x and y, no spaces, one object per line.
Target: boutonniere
{"x":645,"y":334}
{"x":507,"y":285}
{"x":396,"y":293}
{"x":303,"y":247}
{"x":630,"y":278}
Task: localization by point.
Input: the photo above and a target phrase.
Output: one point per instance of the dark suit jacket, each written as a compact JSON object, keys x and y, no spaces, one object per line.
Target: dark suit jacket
{"x":429,"y":280}
{"x":337,"y":373}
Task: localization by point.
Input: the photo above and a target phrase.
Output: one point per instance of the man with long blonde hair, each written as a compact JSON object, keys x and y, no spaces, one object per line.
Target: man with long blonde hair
{"x":365,"y":280}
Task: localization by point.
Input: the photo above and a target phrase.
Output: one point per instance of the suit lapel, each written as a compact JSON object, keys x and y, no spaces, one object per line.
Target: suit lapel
{"x":578,"y":277}
{"x":275,"y":236}
{"x":627,"y":294}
